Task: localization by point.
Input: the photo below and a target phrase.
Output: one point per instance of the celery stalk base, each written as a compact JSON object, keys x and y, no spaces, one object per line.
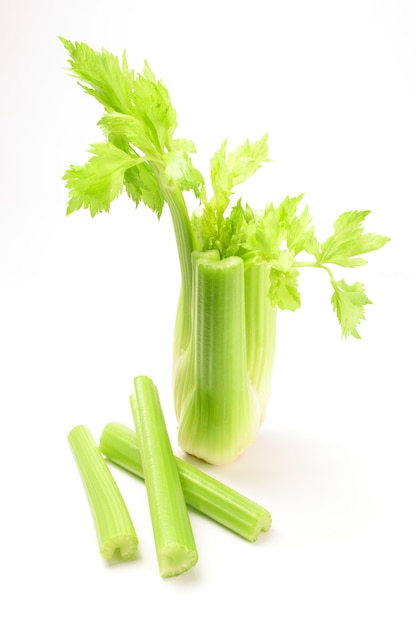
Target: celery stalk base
{"x":222,"y":376}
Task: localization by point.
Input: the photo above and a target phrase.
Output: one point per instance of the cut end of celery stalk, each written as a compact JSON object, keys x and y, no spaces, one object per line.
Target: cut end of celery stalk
{"x":126,"y":544}
{"x":174,"y":560}
{"x":263,"y":525}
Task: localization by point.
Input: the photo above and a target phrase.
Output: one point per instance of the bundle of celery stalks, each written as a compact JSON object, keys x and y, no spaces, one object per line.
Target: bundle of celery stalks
{"x":171,"y":485}
{"x":238,"y":266}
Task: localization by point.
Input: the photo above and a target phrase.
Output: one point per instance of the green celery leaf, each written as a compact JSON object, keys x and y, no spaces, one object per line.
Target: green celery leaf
{"x":301,"y":234}
{"x":159,"y":107}
{"x":234,"y":231}
{"x":205,"y":229}
{"x":278,"y":225}
{"x":180,"y":171}
{"x":220,"y":181}
{"x":348,"y":302}
{"x":349,"y":241}
{"x":283,"y":261}
{"x":246,"y":160}
{"x":234,"y":168}
{"x":133,"y":184}
{"x":286,"y":211}
{"x":138,"y":106}
{"x":129,"y":129}
{"x":140,"y":181}
{"x":283,"y":291}
{"x":182,"y":145}
{"x":269,"y":234}
{"x":152,"y":104}
{"x":97,"y":183}
{"x":102,"y":76}
{"x":227,"y":170}
{"x":139,"y":124}
{"x":142,"y":185}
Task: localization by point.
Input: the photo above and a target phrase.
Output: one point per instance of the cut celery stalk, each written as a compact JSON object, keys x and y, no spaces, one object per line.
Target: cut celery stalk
{"x":174,"y":540}
{"x":218,"y":418}
{"x":115,"y":530}
{"x":202,"y":492}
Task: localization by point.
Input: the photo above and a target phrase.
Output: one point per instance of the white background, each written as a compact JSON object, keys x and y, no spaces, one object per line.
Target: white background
{"x":86,"y":305}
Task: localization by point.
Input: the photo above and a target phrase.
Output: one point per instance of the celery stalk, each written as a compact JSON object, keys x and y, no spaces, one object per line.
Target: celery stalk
{"x":112,"y":521}
{"x":185,"y":246}
{"x":202,"y":492}
{"x":260,"y":317}
{"x":218,"y":416}
{"x":174,"y":540}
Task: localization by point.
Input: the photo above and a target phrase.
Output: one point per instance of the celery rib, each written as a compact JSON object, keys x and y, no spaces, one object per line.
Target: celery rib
{"x":260,"y":316}
{"x":218,"y":419}
{"x":202,"y":492}
{"x":114,"y":528}
{"x":174,"y":540}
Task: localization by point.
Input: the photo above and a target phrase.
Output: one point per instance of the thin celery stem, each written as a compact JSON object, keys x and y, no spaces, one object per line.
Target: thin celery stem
{"x":203,"y":493}
{"x":174,"y":540}
{"x":112,"y":520}
{"x":299,"y":264}
{"x":186,"y":245}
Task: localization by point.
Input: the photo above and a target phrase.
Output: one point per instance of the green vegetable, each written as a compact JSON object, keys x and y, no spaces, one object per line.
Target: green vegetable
{"x":238,"y":265}
{"x":174,"y":540}
{"x":202,"y":492}
{"x":112,"y":521}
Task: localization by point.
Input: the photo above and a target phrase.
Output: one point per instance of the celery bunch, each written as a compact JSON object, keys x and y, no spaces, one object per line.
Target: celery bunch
{"x":238,"y":265}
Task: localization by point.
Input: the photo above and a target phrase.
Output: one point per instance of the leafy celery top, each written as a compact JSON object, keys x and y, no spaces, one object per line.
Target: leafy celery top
{"x":238,"y":265}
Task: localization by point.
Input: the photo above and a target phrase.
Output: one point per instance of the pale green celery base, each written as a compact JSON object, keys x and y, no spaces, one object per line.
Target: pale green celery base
{"x":175,"y":559}
{"x":218,"y":407}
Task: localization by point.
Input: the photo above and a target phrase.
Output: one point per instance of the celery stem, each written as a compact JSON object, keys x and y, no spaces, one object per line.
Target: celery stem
{"x":174,"y":541}
{"x":185,"y":244}
{"x":260,"y":332}
{"x":202,"y":492}
{"x":112,"y":521}
{"x":218,"y":419}
{"x":299,"y":264}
